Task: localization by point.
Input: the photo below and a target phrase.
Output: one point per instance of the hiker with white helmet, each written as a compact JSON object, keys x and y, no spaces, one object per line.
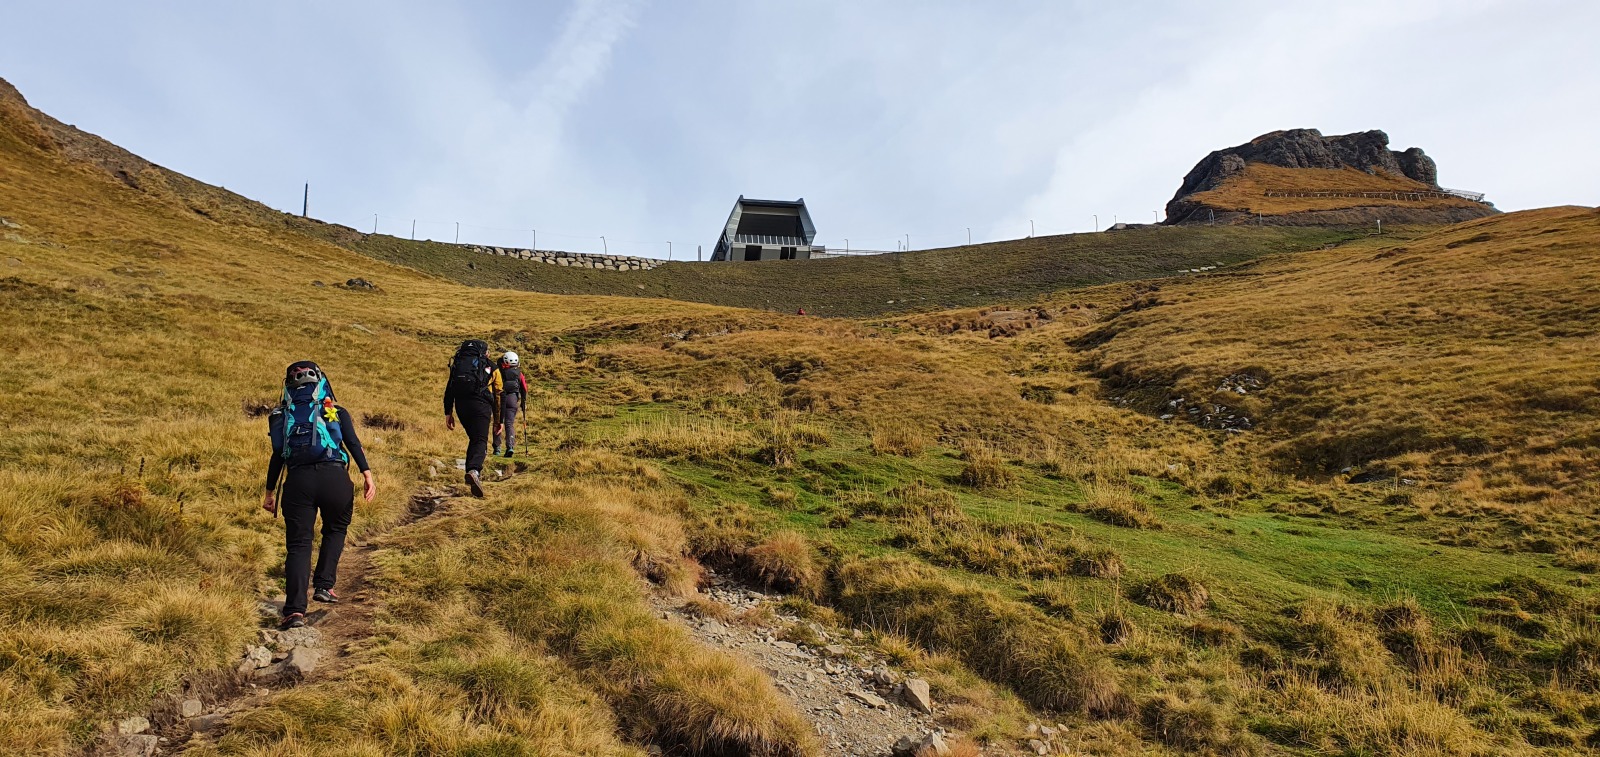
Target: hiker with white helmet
{"x":315,"y":440}
{"x":512,"y":396}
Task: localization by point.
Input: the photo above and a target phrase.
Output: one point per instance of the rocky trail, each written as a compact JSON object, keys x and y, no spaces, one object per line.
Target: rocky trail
{"x":858,"y":703}
{"x":275,"y":660}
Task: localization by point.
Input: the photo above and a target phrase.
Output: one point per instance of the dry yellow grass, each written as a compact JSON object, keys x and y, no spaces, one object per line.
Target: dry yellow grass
{"x":1247,"y":190}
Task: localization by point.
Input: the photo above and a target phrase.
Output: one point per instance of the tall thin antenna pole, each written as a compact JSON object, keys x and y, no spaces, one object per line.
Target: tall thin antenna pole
{"x":374,"y":223}
{"x":458,"y":232}
{"x":535,"y":240}
{"x":1096,"y":221}
{"x":669,"y":251}
{"x":413,"y":229}
{"x":305,"y":202}
{"x":697,"y":253}
{"x":908,"y":241}
{"x":969,"y":235}
{"x":603,"y":245}
{"x":1030,"y":228}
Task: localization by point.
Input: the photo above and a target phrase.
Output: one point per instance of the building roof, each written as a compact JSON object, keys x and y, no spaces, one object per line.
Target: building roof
{"x":754,"y":221}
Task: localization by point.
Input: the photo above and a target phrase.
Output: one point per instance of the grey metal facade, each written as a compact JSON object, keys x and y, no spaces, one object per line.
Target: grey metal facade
{"x":767,"y":230}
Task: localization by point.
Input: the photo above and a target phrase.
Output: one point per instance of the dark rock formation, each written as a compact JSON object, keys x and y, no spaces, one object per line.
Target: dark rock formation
{"x":1306,"y":148}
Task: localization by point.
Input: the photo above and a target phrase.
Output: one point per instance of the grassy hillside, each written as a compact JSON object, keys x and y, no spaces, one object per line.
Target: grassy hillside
{"x":873,"y":285}
{"x":1247,"y":191}
{"x":1462,"y":359}
{"x":989,"y":496}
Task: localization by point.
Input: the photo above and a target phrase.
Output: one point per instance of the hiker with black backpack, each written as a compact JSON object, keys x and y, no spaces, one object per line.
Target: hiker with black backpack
{"x":470,"y":394}
{"x":512,"y":396}
{"x":315,"y":439}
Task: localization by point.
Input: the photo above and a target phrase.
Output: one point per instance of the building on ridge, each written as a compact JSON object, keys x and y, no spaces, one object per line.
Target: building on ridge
{"x":767,"y":230}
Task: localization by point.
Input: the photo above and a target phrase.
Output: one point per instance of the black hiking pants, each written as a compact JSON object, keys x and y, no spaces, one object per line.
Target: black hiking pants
{"x":477,"y":416}
{"x":510,"y":405}
{"x":321,"y":487}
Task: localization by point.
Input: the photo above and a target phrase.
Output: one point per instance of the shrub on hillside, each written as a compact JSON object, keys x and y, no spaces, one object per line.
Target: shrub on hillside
{"x":783,"y":562}
{"x":897,"y":439}
{"x":1115,"y":505}
{"x":1003,"y":640}
{"x":987,"y":470}
{"x":1173,"y":592}
{"x":1193,"y":727}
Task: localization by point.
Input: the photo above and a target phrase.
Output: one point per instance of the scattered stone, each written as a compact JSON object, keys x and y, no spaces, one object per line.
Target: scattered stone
{"x":259,"y":656}
{"x":206,"y":723}
{"x":885,"y":677}
{"x":269,"y":673}
{"x":837,"y":650}
{"x":191,"y":708}
{"x":268,"y":610}
{"x":142,"y":745}
{"x":916,"y":695}
{"x":361,"y":328}
{"x":13,"y":262}
{"x":869,"y":699}
{"x":360,"y":284}
{"x":317,"y":284}
{"x":267,"y":636}
{"x":132,"y":725}
{"x":302,"y":661}
{"x":1038,"y":747}
{"x":1047,"y":732}
{"x":840,"y":710}
{"x":10,"y":224}
{"x":304,"y":636}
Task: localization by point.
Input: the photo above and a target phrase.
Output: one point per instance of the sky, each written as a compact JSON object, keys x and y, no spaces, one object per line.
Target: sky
{"x":923,"y":122}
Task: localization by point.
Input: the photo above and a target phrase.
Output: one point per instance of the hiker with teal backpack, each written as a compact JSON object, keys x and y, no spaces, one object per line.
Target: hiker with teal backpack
{"x":315,"y":440}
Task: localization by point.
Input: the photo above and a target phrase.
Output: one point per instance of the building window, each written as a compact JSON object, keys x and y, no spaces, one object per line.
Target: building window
{"x":786,"y":253}
{"x":752,"y":252}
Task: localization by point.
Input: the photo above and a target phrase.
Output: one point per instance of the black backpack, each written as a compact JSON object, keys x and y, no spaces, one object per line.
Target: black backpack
{"x":470,"y":369}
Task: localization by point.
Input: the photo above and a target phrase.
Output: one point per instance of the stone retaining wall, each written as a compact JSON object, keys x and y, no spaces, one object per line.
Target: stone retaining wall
{"x":571,"y":259}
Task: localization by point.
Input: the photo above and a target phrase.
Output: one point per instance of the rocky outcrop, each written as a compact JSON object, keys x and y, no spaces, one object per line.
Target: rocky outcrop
{"x":571,"y":259}
{"x":1410,"y":179}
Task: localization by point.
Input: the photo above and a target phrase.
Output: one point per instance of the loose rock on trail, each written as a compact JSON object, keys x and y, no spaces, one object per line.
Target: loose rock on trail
{"x":858,"y":704}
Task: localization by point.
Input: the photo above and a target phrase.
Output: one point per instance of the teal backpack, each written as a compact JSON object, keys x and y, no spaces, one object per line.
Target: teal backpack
{"x":305,"y":426}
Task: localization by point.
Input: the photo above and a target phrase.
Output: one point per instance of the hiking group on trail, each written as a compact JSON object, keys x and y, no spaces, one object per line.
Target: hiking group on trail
{"x":314,"y":441}
{"x":484,"y":395}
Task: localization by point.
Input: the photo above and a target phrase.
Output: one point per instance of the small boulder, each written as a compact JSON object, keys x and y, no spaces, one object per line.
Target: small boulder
{"x":139,"y":745}
{"x":258,"y":656}
{"x":1038,"y":747}
{"x":191,"y":708}
{"x":133,"y":725}
{"x":206,"y":723}
{"x":360,"y":284}
{"x":302,"y":661}
{"x":304,"y":636}
{"x":916,"y":695}
{"x":837,"y":650}
{"x":869,"y":699}
{"x":885,"y":677}
{"x":932,"y":744}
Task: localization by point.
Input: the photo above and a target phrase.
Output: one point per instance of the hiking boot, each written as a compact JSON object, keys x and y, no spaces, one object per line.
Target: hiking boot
{"x":475,"y":483}
{"x":292,"y":620}
{"x":508,"y":453}
{"x":326,"y":596}
{"x":496,"y":451}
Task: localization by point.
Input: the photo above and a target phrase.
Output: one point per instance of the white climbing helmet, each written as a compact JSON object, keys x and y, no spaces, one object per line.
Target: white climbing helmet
{"x":510,"y":359}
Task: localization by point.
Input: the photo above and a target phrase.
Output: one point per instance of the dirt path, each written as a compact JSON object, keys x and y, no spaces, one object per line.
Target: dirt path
{"x":853,"y":698}
{"x":274,"y":660}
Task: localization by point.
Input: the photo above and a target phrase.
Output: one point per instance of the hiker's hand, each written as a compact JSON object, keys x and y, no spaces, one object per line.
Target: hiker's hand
{"x":369,"y":489}
{"x":449,"y":423}
{"x":497,"y":428}
{"x":270,"y":503}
